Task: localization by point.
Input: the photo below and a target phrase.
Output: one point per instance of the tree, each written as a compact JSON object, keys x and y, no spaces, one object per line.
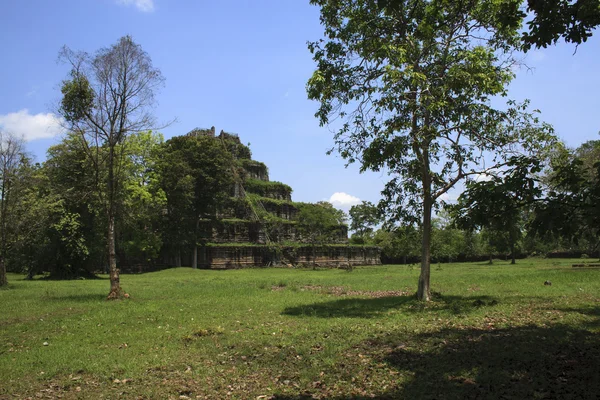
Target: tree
{"x":143,"y":199}
{"x":571,"y":206}
{"x":574,"y":21}
{"x":551,"y":20}
{"x":364,"y":217}
{"x":497,"y":204}
{"x":107,"y":97}
{"x":398,"y":243}
{"x":447,"y":243}
{"x":319,"y":223}
{"x":46,"y":235}
{"x":195,"y":173}
{"x":74,"y":180}
{"x":11,"y":156}
{"x":412,"y":87}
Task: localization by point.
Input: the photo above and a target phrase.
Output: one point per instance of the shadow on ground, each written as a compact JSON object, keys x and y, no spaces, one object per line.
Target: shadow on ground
{"x":527,"y":362}
{"x":372,"y":307}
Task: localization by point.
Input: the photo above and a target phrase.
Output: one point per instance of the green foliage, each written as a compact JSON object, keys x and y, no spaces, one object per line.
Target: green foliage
{"x":365,"y":217}
{"x":498,"y":204}
{"x":574,"y":21}
{"x":273,"y":189}
{"x":143,"y":199}
{"x":549,"y":20}
{"x":252,"y":165}
{"x":410,"y":89}
{"x":571,"y":208}
{"x":195,"y":173}
{"x":78,"y":98}
{"x":236,"y":148}
{"x":319,"y":222}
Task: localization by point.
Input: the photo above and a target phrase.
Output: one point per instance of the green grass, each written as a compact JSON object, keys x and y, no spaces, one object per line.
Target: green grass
{"x":491,"y":332}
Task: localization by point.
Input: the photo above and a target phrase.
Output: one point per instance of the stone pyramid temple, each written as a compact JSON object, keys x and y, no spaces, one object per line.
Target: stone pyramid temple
{"x":259,"y":225}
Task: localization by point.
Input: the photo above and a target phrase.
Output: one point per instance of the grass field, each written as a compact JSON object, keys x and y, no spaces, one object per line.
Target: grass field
{"x":491,"y":332}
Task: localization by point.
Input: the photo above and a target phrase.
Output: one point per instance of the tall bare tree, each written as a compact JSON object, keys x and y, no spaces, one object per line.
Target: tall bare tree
{"x":11,"y":154}
{"x":108,"y":96}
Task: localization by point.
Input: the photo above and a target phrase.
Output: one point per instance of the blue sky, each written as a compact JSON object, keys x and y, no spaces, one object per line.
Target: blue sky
{"x":242,"y":66}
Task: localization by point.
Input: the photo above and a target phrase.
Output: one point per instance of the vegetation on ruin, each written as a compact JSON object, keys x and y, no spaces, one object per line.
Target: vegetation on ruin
{"x":267,"y":188}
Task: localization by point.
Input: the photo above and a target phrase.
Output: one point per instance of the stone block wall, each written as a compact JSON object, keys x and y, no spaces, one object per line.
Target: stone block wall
{"x":230,"y":257}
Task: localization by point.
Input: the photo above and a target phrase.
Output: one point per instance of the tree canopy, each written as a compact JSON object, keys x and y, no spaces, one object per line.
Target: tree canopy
{"x":107,"y":97}
{"x":410,"y":89}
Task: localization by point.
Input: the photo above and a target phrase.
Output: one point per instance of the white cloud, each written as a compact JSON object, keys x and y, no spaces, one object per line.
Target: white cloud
{"x":483,"y":177}
{"x":537,"y":55}
{"x":31,"y":127}
{"x":343,"y":200}
{"x":142,"y":5}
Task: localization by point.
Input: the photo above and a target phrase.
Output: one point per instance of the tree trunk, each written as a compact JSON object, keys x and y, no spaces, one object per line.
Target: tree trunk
{"x":195,"y":257}
{"x":178,"y":258}
{"x":512,"y":252}
{"x":3,"y":210}
{"x":195,"y":247}
{"x":115,"y":286}
{"x":3,"y":280}
{"x":491,"y":259}
{"x":423,"y":292}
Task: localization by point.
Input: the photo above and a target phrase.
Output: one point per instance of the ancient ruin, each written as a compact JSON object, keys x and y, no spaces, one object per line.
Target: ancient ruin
{"x":259,"y":227}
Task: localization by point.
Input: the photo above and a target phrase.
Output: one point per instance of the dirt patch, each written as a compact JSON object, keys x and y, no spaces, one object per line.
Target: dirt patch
{"x":343,"y":291}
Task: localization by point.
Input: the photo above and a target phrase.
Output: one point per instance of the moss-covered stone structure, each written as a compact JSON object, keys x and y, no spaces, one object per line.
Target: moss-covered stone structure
{"x":258,"y":225}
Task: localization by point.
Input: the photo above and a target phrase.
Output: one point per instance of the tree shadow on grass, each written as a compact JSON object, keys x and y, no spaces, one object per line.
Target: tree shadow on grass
{"x":373,"y":307}
{"x":528,"y":362}
{"x":590,"y":311}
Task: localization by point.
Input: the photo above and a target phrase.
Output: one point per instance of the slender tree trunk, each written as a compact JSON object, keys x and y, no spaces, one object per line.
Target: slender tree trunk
{"x":512,"y":252}
{"x":3,"y":211}
{"x":423,"y":292}
{"x":491,"y":259}
{"x":195,"y":247}
{"x":3,"y":280}
{"x":115,"y":286}
{"x":178,"y":258}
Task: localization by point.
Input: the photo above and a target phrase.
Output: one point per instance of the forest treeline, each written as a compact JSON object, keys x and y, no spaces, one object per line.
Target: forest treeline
{"x":54,"y":216}
{"x":544,"y":208}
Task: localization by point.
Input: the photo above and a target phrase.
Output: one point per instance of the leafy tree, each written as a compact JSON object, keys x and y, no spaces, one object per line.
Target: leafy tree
{"x":571,"y":207}
{"x":447,"y":243}
{"x":411,"y":86}
{"x":498,"y":204}
{"x":143,"y":199}
{"x":400,"y":243}
{"x":45,"y":236}
{"x":574,"y":21}
{"x":11,"y":158}
{"x":107,"y":97}
{"x":365,"y":217}
{"x":196,"y":175}
{"x":71,"y":177}
{"x":319,"y":223}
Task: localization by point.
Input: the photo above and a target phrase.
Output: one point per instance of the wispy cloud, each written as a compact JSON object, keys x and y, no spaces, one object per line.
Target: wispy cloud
{"x":537,"y":55}
{"x":31,"y":127}
{"x":343,"y":200}
{"x":142,"y":5}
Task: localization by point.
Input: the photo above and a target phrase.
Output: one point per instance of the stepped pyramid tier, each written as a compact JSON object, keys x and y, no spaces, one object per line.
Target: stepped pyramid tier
{"x":258,"y":225}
